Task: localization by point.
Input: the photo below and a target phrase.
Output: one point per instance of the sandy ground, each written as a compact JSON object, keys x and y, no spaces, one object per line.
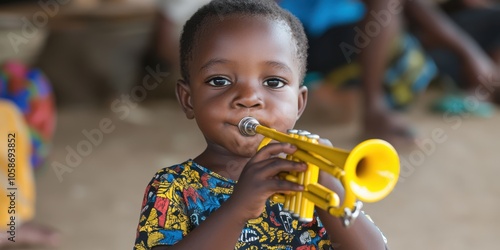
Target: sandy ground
{"x":447,"y":197}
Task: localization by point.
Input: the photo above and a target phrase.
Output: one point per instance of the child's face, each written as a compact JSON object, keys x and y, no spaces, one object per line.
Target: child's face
{"x":242,"y":66}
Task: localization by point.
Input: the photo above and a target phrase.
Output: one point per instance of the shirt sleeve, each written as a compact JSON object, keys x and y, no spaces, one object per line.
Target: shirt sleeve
{"x":163,"y":220}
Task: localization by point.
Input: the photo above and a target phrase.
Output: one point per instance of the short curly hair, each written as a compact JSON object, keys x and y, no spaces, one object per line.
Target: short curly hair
{"x":222,"y":8}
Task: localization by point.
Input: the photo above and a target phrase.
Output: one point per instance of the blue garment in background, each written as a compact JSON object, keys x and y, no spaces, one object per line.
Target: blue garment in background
{"x":318,"y":16}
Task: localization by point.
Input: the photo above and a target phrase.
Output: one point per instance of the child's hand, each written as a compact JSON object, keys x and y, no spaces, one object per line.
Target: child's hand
{"x":259,"y":179}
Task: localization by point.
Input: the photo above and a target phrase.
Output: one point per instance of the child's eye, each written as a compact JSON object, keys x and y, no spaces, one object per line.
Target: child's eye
{"x":274,"y":83}
{"x":219,"y":81}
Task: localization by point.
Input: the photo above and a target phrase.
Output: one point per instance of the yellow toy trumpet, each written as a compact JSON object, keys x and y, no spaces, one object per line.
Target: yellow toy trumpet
{"x":368,"y":173}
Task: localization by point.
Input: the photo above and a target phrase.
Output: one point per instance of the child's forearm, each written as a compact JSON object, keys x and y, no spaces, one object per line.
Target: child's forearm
{"x":219,"y":231}
{"x":362,"y":234}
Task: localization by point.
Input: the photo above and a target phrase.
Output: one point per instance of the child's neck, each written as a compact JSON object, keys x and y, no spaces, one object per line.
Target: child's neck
{"x":227,"y":166}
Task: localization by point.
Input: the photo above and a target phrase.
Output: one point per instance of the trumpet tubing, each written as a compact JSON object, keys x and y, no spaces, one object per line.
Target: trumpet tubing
{"x":368,"y":173}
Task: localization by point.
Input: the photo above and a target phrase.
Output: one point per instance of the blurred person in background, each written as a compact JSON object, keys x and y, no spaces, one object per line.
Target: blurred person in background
{"x":368,"y":43}
{"x":27,"y":124}
{"x":480,"y":20}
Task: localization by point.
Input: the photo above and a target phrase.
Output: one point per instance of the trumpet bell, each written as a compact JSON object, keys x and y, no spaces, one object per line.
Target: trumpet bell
{"x":372,"y":170}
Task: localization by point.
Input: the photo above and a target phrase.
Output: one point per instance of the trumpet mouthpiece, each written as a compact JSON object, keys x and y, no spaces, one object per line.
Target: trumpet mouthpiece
{"x":247,"y":126}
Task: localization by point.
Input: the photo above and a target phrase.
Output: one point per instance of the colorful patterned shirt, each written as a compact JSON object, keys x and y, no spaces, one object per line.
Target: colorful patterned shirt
{"x":182,"y":196}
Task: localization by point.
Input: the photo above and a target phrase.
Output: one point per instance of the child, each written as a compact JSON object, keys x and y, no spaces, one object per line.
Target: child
{"x":240,"y":58}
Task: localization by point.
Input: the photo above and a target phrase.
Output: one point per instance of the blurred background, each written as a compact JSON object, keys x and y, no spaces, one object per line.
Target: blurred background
{"x":112,"y":67}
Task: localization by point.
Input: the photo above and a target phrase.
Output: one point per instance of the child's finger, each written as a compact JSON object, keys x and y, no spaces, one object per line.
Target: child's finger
{"x":283,"y":186}
{"x":273,"y":149}
{"x":272,"y":167}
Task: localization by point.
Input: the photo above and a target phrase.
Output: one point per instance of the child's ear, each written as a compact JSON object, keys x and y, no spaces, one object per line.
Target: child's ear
{"x":302,"y":102}
{"x":183,"y":93}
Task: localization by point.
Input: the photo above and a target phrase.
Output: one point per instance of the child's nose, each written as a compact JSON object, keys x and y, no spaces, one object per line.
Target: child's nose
{"x":248,"y":96}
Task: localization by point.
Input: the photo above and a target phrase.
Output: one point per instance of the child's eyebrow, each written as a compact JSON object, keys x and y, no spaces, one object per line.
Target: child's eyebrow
{"x":278,"y":65}
{"x":214,"y":61}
